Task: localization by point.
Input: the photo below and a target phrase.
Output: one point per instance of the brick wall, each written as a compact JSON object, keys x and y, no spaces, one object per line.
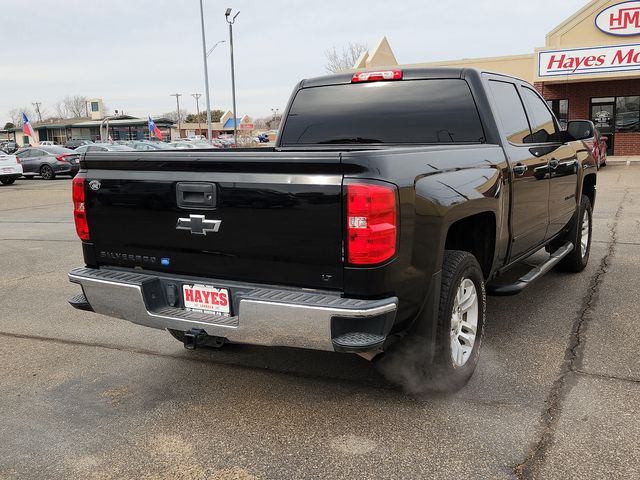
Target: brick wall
{"x":579,"y":96}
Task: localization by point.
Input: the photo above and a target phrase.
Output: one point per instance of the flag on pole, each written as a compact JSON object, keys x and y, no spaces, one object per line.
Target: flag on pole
{"x":153,"y":129}
{"x":26,"y":126}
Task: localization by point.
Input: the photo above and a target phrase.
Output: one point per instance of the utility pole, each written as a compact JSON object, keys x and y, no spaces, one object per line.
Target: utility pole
{"x":178,"y":95}
{"x":36,"y":105}
{"x":233,"y":75}
{"x":197,"y":97}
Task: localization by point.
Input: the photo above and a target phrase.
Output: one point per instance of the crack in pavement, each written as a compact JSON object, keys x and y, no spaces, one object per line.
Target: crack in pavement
{"x":572,"y":358}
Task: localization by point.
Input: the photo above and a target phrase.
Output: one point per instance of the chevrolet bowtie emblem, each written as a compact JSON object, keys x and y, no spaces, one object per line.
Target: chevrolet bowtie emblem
{"x":198,"y":224}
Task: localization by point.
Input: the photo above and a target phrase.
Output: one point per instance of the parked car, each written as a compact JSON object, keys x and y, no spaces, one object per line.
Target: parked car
{"x":595,"y":141}
{"x":102,"y":147}
{"x":144,"y":145}
{"x":9,"y":147}
{"x":190,"y":145}
{"x":10,"y":168}
{"x":377,"y":223}
{"x":48,"y":161}
{"x":73,"y":144}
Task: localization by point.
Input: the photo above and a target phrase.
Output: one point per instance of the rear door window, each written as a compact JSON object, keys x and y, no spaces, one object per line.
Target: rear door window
{"x":542,"y":125}
{"x":396,"y":112}
{"x":510,"y":111}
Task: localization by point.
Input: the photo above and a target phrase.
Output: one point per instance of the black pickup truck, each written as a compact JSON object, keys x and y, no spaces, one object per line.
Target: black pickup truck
{"x":391,"y":204}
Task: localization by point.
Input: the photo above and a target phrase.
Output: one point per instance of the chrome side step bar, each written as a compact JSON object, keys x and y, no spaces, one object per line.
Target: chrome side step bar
{"x":532,"y":275}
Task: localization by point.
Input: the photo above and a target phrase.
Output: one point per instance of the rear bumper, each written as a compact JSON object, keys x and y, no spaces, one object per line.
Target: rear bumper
{"x":61,"y":167}
{"x":310,"y":319}
{"x":10,"y":171}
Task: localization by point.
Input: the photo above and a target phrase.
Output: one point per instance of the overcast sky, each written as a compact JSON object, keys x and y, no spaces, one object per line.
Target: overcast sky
{"x":134,"y":53}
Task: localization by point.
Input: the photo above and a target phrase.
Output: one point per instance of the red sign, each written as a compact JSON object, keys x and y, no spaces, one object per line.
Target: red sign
{"x":246,"y":126}
{"x":580,"y":61}
{"x":620,"y":19}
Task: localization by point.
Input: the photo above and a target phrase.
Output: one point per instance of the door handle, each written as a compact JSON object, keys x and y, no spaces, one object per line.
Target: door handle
{"x":196,"y":195}
{"x":519,"y":169}
{"x":553,"y":163}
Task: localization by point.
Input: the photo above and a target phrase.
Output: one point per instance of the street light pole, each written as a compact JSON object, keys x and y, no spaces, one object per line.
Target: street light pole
{"x":233,"y":75}
{"x":178,"y":95}
{"x":197,"y":97}
{"x":206,"y":73}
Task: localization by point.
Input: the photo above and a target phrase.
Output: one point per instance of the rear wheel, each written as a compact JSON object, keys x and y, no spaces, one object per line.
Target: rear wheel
{"x":580,"y":236}
{"x":458,"y":336}
{"x":47,"y":173}
{"x":8,"y":181}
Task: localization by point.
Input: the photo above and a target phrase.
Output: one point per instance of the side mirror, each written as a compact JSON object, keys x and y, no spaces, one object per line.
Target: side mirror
{"x":580,"y":129}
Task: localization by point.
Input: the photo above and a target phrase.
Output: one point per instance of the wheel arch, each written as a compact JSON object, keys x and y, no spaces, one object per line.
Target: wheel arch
{"x":475,"y":234}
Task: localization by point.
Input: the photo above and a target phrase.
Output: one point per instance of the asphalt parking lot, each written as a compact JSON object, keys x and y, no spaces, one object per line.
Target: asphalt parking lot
{"x":556,"y":394}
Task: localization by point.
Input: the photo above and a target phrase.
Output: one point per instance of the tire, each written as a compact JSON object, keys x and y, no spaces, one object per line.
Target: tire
{"x":214,"y":342}
{"x":577,"y":260}
{"x":8,"y":181}
{"x":456,"y":348}
{"x":47,"y":173}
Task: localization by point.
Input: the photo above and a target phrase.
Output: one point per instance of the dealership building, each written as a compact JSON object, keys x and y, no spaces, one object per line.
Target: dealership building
{"x":588,"y":68}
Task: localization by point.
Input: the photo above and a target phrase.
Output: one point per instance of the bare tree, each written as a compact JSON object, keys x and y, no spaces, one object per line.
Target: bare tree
{"x":16,"y":115}
{"x":173,"y":116}
{"x":344,"y":60}
{"x":71,"y":106}
{"x":61,"y":110}
{"x":76,"y":105}
{"x":270,"y":123}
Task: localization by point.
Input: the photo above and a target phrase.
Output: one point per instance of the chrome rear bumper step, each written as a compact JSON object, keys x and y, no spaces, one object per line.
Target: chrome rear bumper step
{"x":261,"y":315}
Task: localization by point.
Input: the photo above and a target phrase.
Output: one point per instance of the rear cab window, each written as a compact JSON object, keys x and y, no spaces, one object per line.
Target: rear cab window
{"x":424,"y":111}
{"x":510,"y":111}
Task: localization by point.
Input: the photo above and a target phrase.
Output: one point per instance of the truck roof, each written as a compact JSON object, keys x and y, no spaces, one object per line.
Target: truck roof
{"x":409,"y":73}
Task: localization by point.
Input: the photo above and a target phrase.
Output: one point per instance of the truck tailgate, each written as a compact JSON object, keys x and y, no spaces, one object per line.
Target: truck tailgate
{"x":259,"y":216}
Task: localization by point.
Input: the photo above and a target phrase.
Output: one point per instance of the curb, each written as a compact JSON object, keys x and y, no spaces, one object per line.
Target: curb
{"x":623,"y":162}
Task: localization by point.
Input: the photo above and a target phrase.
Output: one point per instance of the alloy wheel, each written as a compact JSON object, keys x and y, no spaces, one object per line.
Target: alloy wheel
{"x":464,"y":322}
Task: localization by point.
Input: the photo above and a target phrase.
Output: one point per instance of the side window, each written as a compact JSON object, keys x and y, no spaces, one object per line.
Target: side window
{"x":542,"y":124}
{"x":25,"y":154}
{"x":511,"y":111}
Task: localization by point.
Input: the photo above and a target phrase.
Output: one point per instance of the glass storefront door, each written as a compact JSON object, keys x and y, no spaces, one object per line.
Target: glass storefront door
{"x":603,"y":115}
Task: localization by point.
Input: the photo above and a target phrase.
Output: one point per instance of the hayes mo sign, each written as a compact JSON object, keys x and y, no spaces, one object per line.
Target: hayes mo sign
{"x":581,"y":61}
{"x":620,"y":19}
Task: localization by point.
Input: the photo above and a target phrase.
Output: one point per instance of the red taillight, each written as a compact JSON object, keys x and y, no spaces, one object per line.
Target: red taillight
{"x":17,"y":160}
{"x":62,"y":158}
{"x":372,"y":217}
{"x":360,"y":77}
{"x":79,"y":211}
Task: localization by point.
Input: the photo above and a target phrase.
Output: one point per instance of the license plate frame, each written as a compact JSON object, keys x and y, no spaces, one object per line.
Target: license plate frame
{"x":207,"y":299}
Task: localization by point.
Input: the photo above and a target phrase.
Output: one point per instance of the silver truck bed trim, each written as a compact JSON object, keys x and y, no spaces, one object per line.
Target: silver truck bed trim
{"x":264,"y":316}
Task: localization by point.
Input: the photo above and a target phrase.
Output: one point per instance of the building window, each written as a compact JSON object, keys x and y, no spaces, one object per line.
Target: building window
{"x":627,"y":114}
{"x":95,"y":107}
{"x":561,"y":110}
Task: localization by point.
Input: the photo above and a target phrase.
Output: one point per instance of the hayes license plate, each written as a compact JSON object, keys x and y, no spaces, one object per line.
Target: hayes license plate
{"x":206,"y":299}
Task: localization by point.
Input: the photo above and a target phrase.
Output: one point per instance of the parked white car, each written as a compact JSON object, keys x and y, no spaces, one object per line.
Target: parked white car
{"x":10,"y":169}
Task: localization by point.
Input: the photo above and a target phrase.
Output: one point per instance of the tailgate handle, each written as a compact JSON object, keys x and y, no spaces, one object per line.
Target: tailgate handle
{"x":196,"y":195}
